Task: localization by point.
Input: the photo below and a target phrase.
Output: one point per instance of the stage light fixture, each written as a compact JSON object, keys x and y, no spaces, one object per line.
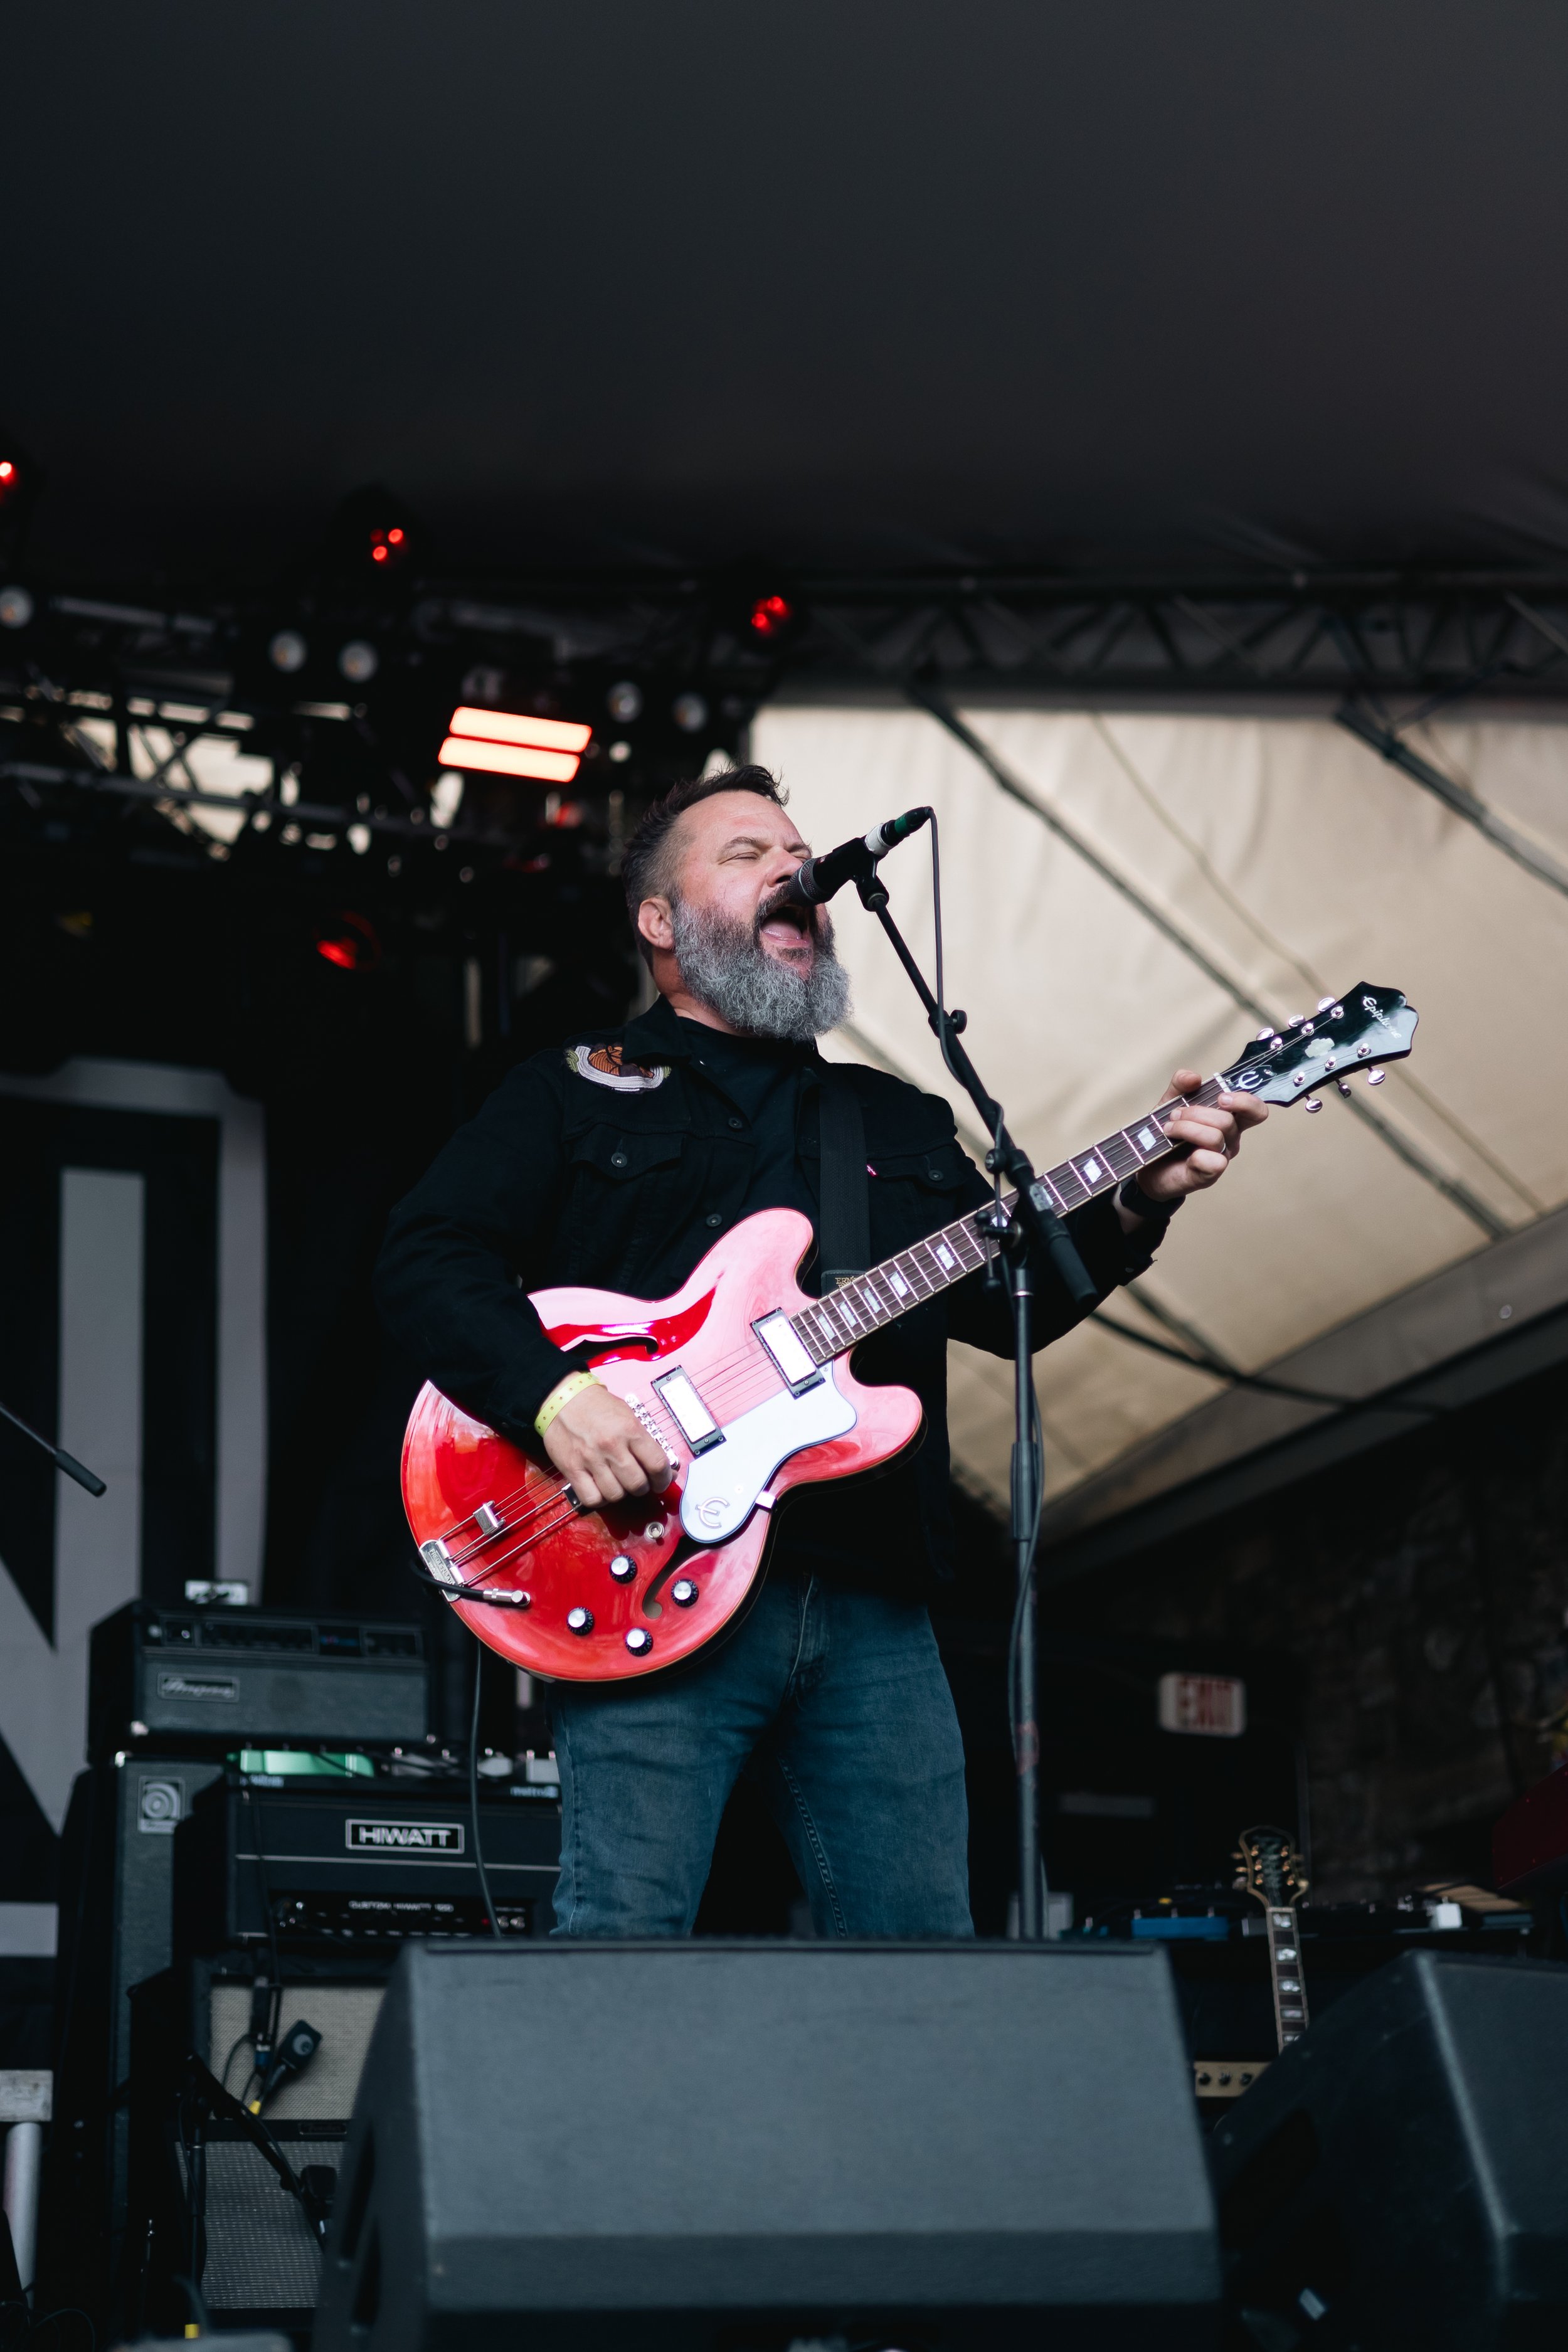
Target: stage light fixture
{"x":770,"y":618}
{"x":16,"y":608}
{"x":348,"y":941}
{"x":19,"y":482}
{"x":389,"y":545}
{"x":690,"y":712}
{"x":288,"y":651}
{"x":358,"y":661}
{"x":508,"y":743}
{"x":624,"y":701}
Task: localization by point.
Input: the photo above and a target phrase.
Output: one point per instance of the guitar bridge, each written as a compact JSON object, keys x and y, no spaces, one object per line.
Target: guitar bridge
{"x":645,"y":1415}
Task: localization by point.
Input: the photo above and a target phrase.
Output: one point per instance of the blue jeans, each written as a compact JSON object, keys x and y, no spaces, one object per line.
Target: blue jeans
{"x":837,"y":1703}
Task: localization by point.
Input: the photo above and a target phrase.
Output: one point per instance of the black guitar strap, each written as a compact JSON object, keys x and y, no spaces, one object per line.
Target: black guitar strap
{"x":844,"y":1221}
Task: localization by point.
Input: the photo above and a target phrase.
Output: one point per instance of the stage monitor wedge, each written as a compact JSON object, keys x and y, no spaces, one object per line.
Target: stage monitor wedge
{"x":1397,"y":2179}
{"x":680,"y":2148}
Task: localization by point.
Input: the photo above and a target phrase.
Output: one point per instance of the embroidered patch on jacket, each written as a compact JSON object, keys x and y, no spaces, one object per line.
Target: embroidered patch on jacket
{"x":607,"y":1066}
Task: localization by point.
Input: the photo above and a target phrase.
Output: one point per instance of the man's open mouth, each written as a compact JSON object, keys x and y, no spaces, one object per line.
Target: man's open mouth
{"x":789,"y":912}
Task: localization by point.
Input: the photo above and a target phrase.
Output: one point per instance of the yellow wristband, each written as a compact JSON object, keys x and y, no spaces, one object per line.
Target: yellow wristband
{"x":562,"y":1394}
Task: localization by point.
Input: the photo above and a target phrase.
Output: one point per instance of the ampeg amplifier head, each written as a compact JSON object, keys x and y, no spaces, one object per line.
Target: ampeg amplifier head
{"x":205,"y":1681}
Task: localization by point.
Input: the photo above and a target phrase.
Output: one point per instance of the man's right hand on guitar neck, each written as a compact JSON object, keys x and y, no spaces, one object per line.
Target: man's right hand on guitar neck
{"x":600,"y":1445}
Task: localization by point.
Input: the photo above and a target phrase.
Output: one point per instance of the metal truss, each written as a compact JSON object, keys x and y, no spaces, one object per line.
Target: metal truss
{"x":1379,"y":651}
{"x":1430,"y":635}
{"x":1436,"y":637}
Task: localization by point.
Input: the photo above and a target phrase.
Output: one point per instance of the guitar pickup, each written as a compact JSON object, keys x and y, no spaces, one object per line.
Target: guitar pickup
{"x":688,"y":1412}
{"x":791,"y":1356}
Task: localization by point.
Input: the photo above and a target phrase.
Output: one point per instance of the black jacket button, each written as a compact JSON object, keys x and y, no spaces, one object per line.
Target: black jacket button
{"x":737,"y":1122}
{"x":618,"y":1159}
{"x":714,"y":1219}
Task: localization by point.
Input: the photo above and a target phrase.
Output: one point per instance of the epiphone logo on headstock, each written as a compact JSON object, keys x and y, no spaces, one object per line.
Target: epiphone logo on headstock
{"x":1371,"y":1004}
{"x":1247,"y":1082}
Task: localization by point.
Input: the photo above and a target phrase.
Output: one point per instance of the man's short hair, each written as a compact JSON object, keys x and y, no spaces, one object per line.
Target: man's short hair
{"x":646,"y":863}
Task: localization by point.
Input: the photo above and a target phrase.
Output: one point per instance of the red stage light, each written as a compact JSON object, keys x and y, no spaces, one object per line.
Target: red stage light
{"x":10,"y":477}
{"x":509,"y":744}
{"x":348,"y":941}
{"x":770,"y":617}
{"x":388,"y":545}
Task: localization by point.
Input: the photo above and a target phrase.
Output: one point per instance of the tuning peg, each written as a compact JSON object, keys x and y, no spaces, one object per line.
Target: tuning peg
{"x":1296,"y":1020}
{"x":1325,"y":1003}
{"x":1375,"y":1078}
{"x":1344,"y":1085}
{"x":1267,"y":1031}
{"x":1314,"y":1102}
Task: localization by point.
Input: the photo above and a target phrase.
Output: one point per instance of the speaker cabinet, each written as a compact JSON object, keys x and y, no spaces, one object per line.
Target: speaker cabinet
{"x":117,"y":1876}
{"x":1397,"y":2176}
{"x":662,"y":2145}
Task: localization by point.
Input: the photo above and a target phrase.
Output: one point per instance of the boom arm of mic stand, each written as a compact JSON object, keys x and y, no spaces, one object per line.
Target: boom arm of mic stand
{"x":1035,"y":1212}
{"x":57,"y":1454}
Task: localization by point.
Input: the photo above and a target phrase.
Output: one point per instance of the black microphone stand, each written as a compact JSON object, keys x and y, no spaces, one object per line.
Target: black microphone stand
{"x":1034,"y":1221}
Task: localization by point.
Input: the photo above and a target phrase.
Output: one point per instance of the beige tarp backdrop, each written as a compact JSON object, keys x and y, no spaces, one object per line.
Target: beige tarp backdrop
{"x":1299,"y":863}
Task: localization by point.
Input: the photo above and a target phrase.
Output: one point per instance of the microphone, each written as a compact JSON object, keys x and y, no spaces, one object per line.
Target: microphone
{"x":813,"y":884}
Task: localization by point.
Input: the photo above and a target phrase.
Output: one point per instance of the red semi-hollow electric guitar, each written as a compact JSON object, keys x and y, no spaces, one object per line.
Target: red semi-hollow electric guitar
{"x":746,"y":1382}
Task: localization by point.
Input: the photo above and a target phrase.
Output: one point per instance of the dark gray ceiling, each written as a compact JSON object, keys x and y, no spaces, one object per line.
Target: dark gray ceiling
{"x":1118,"y":288}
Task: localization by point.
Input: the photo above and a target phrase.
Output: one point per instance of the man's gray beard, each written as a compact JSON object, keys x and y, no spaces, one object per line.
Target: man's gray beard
{"x":726,"y":964}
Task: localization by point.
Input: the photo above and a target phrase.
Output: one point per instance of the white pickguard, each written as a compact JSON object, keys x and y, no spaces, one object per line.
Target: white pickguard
{"x":722,"y":1486}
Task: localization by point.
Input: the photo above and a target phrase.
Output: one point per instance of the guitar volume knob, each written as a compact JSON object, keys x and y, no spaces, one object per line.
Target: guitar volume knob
{"x":683,"y":1592}
{"x":639,"y":1642}
{"x":579,"y":1621}
{"x":623,"y":1568}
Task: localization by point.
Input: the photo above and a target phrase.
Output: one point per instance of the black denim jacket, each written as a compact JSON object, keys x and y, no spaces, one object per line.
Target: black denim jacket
{"x":568,"y":1177}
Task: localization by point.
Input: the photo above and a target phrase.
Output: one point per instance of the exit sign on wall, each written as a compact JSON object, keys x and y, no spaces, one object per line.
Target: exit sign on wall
{"x":1213,"y":1705}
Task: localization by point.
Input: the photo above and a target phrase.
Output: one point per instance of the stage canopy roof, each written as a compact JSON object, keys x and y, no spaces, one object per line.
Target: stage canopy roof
{"x":1128,"y":288}
{"x":1412,"y":1242}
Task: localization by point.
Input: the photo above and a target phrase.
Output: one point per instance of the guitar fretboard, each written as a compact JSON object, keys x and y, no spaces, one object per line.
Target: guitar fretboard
{"x":876,"y":1298}
{"x":1285,"y":1970}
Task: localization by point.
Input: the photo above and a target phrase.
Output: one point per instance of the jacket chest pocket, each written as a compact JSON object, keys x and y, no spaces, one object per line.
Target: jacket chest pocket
{"x":619,"y":1158}
{"x":913,"y":1195}
{"x":619,"y":1183}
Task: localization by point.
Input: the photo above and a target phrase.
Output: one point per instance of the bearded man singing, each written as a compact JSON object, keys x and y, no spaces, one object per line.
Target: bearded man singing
{"x":617,"y":1162}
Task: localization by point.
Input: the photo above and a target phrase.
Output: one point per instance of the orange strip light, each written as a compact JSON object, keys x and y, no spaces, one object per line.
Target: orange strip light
{"x":505,"y":743}
{"x":509,"y":760}
{"x":508,"y":726}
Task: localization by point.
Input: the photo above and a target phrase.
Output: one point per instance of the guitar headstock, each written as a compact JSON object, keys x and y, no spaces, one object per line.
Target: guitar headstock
{"x":1359,"y":1031}
{"x":1270,"y":1867}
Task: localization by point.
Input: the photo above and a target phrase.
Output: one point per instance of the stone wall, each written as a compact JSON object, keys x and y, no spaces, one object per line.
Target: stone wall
{"x":1423,"y":1589}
